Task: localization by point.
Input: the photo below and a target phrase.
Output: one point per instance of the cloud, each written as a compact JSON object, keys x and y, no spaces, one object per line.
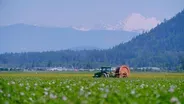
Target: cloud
{"x":137,"y":22}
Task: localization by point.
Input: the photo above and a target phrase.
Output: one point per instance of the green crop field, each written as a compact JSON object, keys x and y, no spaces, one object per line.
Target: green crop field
{"x":81,"y":88}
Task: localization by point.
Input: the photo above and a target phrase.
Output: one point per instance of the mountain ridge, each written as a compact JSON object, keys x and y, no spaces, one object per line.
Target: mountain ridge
{"x":23,"y":37}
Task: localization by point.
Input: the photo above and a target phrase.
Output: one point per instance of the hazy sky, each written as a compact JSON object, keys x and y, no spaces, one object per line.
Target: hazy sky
{"x":132,"y":14}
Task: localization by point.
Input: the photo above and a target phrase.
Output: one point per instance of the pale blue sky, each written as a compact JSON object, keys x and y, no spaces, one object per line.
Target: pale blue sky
{"x":127,"y":15}
{"x":87,"y":13}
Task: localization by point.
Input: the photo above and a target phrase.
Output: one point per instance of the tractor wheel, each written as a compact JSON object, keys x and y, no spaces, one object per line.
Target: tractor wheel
{"x":107,"y":75}
{"x":104,"y":75}
{"x":123,"y":75}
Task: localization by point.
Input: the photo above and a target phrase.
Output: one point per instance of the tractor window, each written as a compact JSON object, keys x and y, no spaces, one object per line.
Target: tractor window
{"x":105,"y":69}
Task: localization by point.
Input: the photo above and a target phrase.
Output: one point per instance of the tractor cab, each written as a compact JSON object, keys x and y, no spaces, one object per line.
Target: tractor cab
{"x":105,"y":71}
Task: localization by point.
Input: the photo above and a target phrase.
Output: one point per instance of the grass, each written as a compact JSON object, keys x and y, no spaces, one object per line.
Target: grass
{"x":81,"y":88}
{"x":90,"y":74}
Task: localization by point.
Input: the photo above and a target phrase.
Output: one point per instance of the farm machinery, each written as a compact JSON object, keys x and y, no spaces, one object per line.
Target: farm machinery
{"x":119,"y":72}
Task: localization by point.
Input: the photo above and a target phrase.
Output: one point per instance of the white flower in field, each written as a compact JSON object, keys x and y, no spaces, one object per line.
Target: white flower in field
{"x":6,"y":102}
{"x":35,"y":84}
{"x":86,"y":88}
{"x":146,"y":85}
{"x":86,"y":95}
{"x":101,"y":89}
{"x":147,"y":94}
{"x":171,"y":89}
{"x":25,"y":101}
{"x":30,"y":99}
{"x":84,"y":102}
{"x":33,"y":94}
{"x":82,"y":87}
{"x":138,"y":95}
{"x":173,"y":86}
{"x":102,"y":85}
{"x":46,"y":89}
{"x":22,"y":93}
{"x":27,"y":88}
{"x":89,"y":93}
{"x":46,"y":93}
{"x":64,"y":98}
{"x":104,"y":95}
{"x":81,"y":92}
{"x":157,"y":95}
{"x":106,"y":90}
{"x":91,"y":85}
{"x":175,"y":100}
{"x":12,"y":82}
{"x":142,"y":85}
{"x":67,"y":86}
{"x":52,"y":96}
{"x":8,"y":83}
{"x":8,"y":95}
{"x":21,"y":84}
{"x":53,"y":82}
{"x":1,"y":91}
{"x":133,"y":92}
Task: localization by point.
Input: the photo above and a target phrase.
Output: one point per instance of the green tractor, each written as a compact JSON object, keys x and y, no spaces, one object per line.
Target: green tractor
{"x":122,"y":71}
{"x":105,"y":71}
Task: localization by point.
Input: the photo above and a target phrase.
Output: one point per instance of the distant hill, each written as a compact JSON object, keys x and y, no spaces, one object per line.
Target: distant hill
{"x":162,"y":46}
{"x":28,"y":38}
